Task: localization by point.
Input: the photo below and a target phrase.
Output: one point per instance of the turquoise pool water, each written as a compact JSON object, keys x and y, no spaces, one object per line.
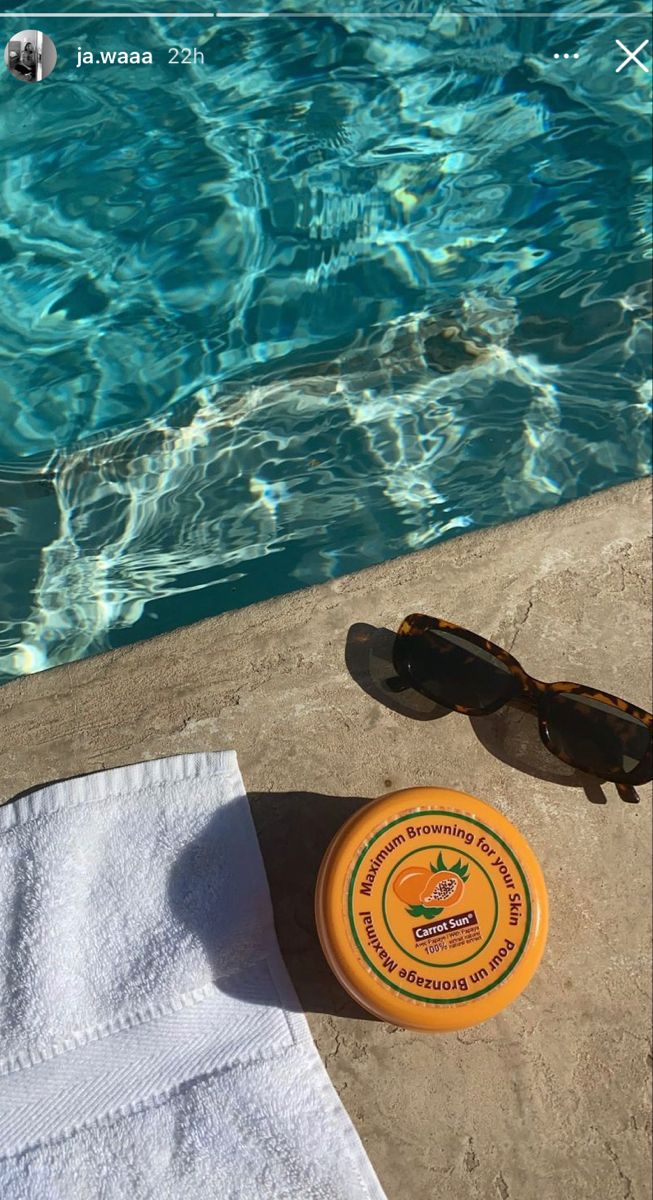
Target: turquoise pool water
{"x":346,"y":288}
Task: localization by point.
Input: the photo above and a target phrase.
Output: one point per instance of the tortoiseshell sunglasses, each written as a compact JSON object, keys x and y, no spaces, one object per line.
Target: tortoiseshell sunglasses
{"x":596,"y":733}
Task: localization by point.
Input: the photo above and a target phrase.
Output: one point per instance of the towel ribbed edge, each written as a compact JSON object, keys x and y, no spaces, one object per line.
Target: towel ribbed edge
{"x":116,"y":782}
{"x":216,"y":1032}
{"x":32,"y":1056}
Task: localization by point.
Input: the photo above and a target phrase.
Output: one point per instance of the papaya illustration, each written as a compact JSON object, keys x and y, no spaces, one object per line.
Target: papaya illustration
{"x":410,"y":883}
{"x":444,"y":888}
{"x":427,"y":891}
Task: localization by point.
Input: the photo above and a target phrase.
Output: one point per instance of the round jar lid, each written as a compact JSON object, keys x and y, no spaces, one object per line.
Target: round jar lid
{"x":431,"y":909}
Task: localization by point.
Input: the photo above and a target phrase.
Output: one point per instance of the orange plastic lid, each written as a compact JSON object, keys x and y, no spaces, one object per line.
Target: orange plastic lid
{"x":431,"y":909}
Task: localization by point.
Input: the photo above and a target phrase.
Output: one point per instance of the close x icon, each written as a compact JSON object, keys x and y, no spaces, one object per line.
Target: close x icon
{"x":632,"y":56}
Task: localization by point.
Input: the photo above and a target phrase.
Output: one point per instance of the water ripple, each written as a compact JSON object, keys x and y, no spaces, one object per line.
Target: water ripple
{"x":344,"y":291}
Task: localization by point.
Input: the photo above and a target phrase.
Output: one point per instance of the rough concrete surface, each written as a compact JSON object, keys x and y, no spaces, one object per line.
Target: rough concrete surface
{"x":551,"y":1098}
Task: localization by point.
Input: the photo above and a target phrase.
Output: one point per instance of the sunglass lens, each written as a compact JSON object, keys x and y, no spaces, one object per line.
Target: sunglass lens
{"x":598,"y":738}
{"x":452,"y":671}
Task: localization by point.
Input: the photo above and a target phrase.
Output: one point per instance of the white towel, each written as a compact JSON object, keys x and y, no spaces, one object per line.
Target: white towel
{"x":151,"y":1042}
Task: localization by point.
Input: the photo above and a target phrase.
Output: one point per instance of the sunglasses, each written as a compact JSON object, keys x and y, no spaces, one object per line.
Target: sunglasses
{"x":590,"y":730}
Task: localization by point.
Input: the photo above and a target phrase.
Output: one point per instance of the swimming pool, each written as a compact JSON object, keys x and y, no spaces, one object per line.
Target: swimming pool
{"x":345,"y":288}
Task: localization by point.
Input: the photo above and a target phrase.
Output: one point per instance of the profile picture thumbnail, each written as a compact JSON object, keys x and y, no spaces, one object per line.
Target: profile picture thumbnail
{"x":30,"y":55}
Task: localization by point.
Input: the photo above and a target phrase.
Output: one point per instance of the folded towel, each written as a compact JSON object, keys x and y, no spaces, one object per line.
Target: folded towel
{"x":151,"y":1042}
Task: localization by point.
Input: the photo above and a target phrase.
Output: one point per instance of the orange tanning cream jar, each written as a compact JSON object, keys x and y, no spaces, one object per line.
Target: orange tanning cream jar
{"x":431,"y":909}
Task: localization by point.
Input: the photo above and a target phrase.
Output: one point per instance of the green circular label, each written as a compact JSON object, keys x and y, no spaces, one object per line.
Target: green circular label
{"x":438,"y":906}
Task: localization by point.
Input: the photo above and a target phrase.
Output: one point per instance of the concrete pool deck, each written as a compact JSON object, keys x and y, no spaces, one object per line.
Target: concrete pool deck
{"x":550,"y":1098}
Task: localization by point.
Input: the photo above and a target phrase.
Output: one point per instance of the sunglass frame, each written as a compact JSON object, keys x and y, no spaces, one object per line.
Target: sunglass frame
{"x":531,"y":689}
